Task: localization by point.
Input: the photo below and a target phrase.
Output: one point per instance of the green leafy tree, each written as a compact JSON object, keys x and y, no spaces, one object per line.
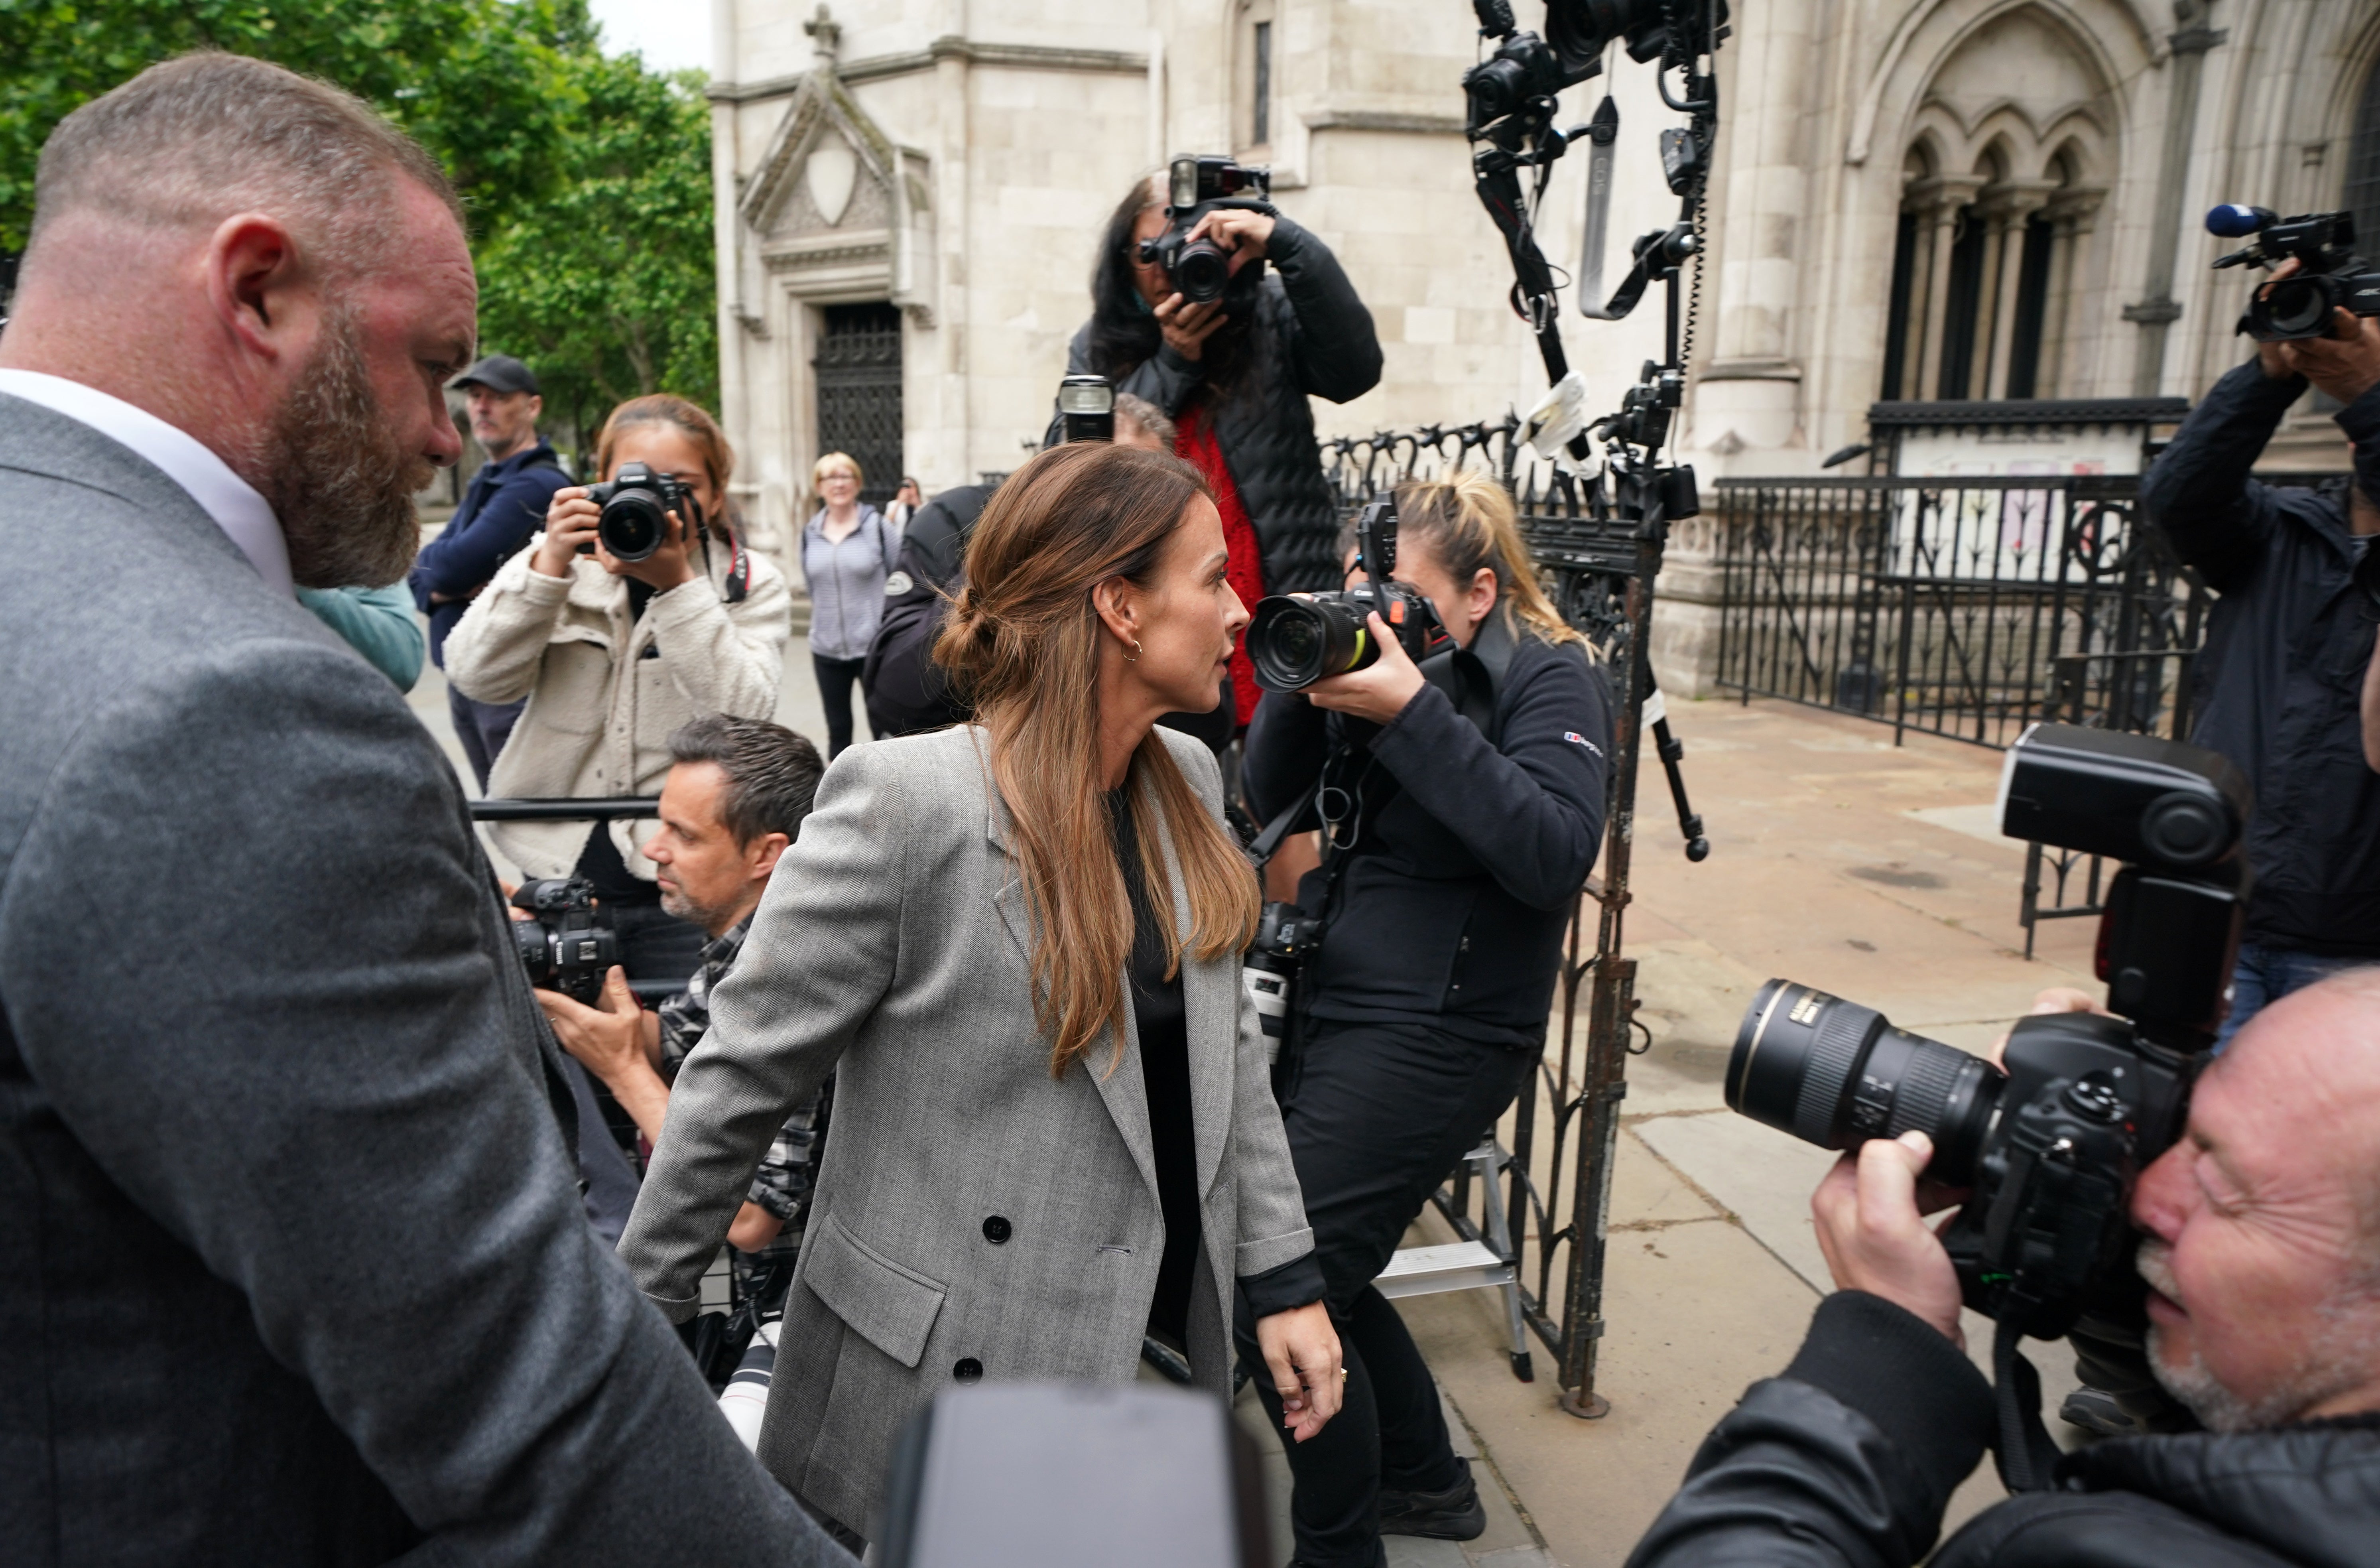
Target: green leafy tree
{"x":586,"y":179}
{"x":605,"y":283}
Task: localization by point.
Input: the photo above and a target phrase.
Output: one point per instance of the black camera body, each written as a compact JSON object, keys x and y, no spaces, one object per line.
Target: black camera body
{"x":2050,"y":1142}
{"x":567,"y":944}
{"x":1199,"y":270}
{"x":637,"y":504}
{"x":2331,"y":275}
{"x":1285,"y":934}
{"x":1295,"y":640}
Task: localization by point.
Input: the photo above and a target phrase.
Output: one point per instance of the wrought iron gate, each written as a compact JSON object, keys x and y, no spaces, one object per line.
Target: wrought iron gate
{"x":859,"y":369}
{"x":1563,"y":1131}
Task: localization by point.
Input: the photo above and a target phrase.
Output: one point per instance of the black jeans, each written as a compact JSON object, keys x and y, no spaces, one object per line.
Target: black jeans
{"x":835,"y":679}
{"x":1378,"y":1115}
{"x":482,"y":727}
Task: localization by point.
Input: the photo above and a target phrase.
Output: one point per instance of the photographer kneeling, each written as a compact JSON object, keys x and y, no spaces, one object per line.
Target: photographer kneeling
{"x":735,"y":796}
{"x":614,"y":653}
{"x":2261,"y":1251}
{"x":1455,"y":847}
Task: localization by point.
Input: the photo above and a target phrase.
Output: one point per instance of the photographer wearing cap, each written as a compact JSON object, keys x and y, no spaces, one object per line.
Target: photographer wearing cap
{"x":2262,"y":1252}
{"x":501,"y":510}
{"x":2278,"y":685}
{"x":296,"y":1268}
{"x":613,"y":655}
{"x":735,"y":796}
{"x":1234,"y":374}
{"x":1455,"y":844}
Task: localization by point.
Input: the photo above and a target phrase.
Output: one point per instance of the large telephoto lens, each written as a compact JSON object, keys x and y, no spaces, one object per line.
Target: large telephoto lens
{"x":1298,"y":639}
{"x":1835,"y":1074}
{"x":633,"y":525}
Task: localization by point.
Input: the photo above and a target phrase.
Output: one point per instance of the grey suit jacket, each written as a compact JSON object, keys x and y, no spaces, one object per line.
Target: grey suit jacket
{"x":893,"y":941}
{"x":292,"y":1264}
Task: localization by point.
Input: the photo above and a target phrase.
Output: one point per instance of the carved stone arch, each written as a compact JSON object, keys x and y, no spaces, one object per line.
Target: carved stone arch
{"x":2115,"y":39}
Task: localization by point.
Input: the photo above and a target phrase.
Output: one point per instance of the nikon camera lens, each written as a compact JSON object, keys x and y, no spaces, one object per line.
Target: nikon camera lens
{"x":1835,"y":1074}
{"x":1298,"y":639}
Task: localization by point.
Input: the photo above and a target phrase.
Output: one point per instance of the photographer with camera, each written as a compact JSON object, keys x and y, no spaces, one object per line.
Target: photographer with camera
{"x":2262,"y":1254}
{"x":500,"y":511}
{"x":636,"y":609}
{"x":735,"y":796}
{"x":1458,"y":831}
{"x":1230,"y":356}
{"x":2280,"y":682}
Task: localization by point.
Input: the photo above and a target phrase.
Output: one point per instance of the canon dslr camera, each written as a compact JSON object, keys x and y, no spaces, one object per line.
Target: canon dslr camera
{"x":637,"y":506}
{"x":1295,"y":640}
{"x":567,"y":944}
{"x":1201,"y":270}
{"x":2331,"y":276}
{"x":2049,"y":1142}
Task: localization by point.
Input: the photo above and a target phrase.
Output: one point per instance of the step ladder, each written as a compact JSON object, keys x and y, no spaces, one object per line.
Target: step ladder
{"x":1470,"y":1265}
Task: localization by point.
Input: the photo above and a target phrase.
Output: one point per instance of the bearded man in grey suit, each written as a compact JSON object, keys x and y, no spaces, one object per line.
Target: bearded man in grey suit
{"x":296,"y":1268}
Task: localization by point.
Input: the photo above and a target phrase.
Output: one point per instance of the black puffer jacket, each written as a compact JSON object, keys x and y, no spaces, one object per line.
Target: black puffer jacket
{"x":1848,"y":1460}
{"x":2287,"y":647}
{"x":1312,"y":335}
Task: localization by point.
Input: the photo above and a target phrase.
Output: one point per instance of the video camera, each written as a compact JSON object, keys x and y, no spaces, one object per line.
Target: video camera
{"x":2051,"y":1141}
{"x":2332,"y":276}
{"x":1298,"y":639}
{"x":1201,"y":270}
{"x":1525,"y":68}
{"x":637,"y":504}
{"x":567,"y":944}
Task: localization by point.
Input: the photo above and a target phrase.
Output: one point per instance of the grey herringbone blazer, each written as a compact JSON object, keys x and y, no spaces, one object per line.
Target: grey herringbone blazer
{"x":293,"y":1269}
{"x":974,"y":1217}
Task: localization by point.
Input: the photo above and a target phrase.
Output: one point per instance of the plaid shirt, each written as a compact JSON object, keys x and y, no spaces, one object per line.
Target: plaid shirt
{"x":789,"y":1170}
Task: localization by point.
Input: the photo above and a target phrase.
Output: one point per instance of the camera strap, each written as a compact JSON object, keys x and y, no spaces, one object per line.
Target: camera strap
{"x":2021,"y":1448}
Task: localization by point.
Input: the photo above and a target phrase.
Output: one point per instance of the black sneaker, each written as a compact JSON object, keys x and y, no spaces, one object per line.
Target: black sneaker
{"x":1453,"y":1514}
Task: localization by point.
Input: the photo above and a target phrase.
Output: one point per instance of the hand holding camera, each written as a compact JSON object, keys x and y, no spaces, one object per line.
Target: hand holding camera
{"x":1378,"y":691}
{"x":637,"y":526}
{"x":2344,"y":361}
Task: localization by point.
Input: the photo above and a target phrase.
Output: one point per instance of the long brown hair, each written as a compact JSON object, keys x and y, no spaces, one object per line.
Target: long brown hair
{"x":1023,"y":643}
{"x":697,"y":426}
{"x":1468,"y":522}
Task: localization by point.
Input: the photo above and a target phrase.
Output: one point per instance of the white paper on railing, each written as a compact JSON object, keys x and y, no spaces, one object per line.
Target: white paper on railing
{"x":1560,"y":415}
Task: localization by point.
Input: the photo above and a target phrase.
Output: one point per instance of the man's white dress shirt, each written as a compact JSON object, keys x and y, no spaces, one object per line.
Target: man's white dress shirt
{"x":231,"y":501}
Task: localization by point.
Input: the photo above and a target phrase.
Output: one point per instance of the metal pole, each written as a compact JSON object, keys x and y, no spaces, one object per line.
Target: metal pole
{"x":1613,"y":1001}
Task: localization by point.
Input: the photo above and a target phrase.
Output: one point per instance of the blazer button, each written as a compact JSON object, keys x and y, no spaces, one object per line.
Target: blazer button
{"x":996,"y":1230}
{"x":968,"y":1371}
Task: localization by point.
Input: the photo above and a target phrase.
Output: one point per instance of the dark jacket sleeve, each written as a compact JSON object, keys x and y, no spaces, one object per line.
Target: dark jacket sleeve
{"x":2361,"y":420}
{"x":461,"y":559}
{"x":1287,"y":740}
{"x":1848,"y":1459}
{"x":335,"y":1100}
{"x":2198,"y":491}
{"x":1332,"y":346}
{"x":1530,"y":809}
{"x":1165,"y":379}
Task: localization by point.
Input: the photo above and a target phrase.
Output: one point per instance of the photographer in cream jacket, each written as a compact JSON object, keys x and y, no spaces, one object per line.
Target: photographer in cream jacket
{"x":613,"y":657}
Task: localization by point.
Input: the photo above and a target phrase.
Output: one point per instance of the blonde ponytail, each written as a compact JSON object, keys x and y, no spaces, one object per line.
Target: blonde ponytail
{"x":1468,"y":522}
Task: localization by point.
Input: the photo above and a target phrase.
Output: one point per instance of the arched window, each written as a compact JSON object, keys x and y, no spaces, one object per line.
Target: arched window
{"x":2362,"y":194}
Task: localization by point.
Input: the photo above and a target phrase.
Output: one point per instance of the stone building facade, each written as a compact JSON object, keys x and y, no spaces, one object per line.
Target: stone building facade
{"x":1915,"y":199}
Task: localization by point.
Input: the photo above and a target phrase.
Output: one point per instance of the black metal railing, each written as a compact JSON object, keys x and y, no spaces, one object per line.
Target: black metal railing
{"x":1562,"y":1134}
{"x":1966,"y":608}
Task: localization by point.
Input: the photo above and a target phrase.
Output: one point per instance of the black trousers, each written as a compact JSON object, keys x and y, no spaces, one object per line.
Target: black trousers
{"x":1378,"y":1115}
{"x":835,"y":679}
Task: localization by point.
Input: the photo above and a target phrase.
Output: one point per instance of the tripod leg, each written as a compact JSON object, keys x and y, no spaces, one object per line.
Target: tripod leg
{"x":1673,"y":751}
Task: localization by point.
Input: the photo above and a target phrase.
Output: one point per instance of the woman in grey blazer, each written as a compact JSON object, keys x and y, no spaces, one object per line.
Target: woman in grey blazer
{"x":1017,"y":941}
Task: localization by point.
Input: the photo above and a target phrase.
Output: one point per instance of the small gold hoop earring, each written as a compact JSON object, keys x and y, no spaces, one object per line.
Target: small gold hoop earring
{"x":1134,"y":657}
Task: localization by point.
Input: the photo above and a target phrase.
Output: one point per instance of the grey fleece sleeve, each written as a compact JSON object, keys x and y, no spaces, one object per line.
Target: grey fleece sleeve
{"x":328,"y":1086}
